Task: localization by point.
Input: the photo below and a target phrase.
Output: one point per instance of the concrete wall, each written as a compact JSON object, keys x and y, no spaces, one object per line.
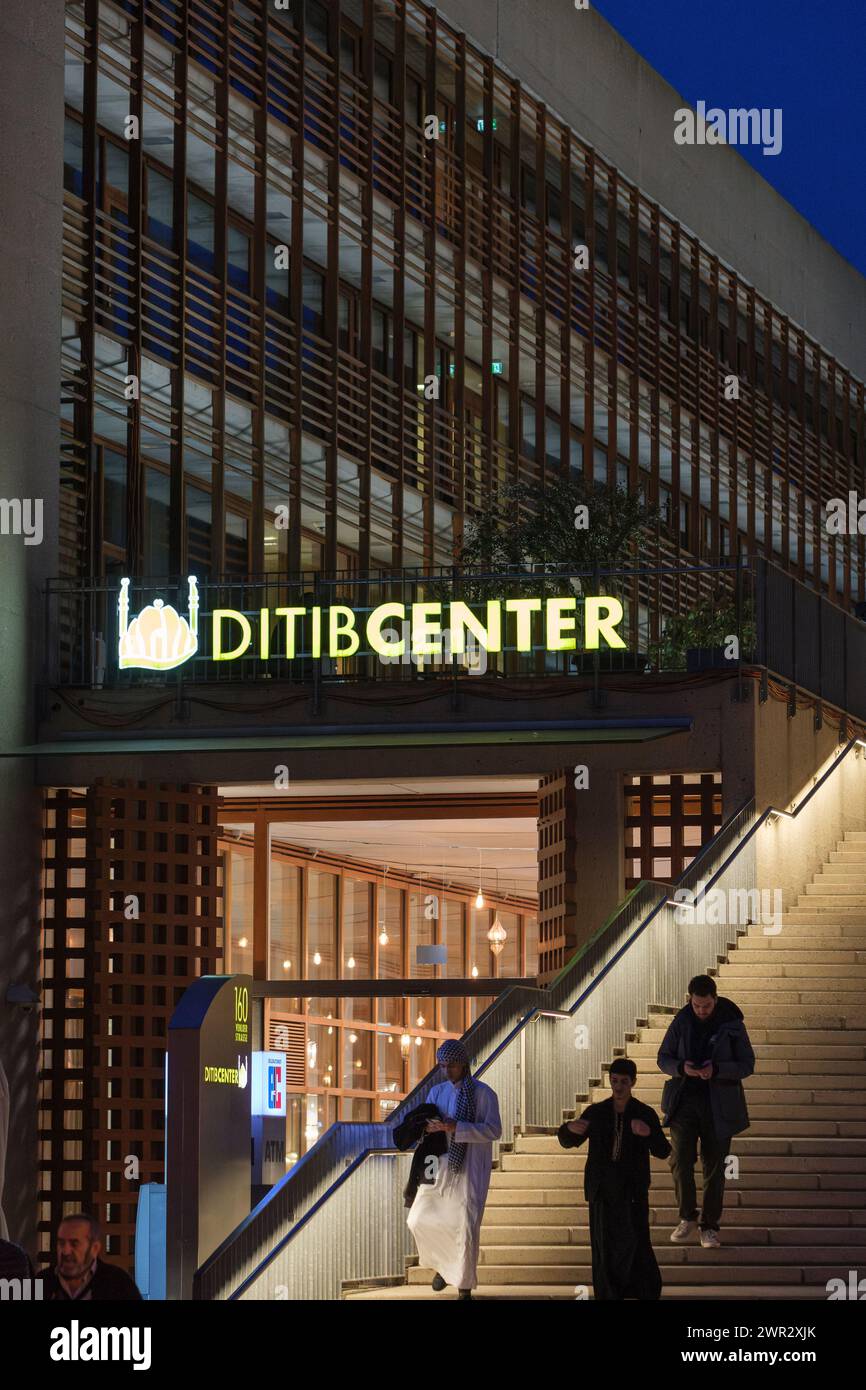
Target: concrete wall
{"x":580,"y":67}
{"x":31,"y":177}
{"x":793,"y":756}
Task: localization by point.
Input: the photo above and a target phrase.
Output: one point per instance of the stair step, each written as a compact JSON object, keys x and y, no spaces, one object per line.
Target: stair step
{"x":742,"y":973}
{"x":782,"y":1037}
{"x":712,"y":1273}
{"x":759,"y":1177}
{"x":574,"y":1234}
{"x":768,"y":1052}
{"x":752,"y":1216}
{"x":669,"y":1256}
{"x":773,"y":1157}
{"x":736,"y":1196}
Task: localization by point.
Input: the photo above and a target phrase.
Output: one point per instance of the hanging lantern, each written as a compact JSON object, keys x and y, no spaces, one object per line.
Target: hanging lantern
{"x":405,"y":1044}
{"x":497,"y":936}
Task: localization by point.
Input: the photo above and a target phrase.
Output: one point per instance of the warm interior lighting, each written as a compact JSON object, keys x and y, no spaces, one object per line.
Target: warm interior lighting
{"x":474,"y":972}
{"x":418,"y":1042}
{"x":383,"y":936}
{"x":243,"y":943}
{"x":479,"y":901}
{"x":497,"y":936}
{"x":420,"y":1021}
{"x":350,"y":963}
{"x":287,"y":965}
{"x":405,"y":1044}
{"x":353,"y":1037}
{"x":317,"y":959}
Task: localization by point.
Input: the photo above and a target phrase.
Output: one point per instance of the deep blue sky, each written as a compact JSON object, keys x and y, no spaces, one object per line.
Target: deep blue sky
{"x":806,"y":56}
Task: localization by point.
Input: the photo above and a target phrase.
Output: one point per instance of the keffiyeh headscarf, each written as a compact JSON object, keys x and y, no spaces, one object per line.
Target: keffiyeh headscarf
{"x":454,"y":1051}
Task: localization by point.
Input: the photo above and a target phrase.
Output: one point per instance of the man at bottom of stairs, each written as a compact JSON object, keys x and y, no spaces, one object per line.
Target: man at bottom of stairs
{"x":445,"y":1217}
{"x":622,"y":1133}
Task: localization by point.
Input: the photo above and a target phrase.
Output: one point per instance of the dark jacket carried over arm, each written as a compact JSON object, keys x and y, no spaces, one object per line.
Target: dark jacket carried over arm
{"x":425,"y":1160}
{"x":732,"y":1056}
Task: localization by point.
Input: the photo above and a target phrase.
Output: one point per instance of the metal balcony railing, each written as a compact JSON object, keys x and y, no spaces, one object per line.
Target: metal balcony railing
{"x":794,"y":632}
{"x":82,"y":623}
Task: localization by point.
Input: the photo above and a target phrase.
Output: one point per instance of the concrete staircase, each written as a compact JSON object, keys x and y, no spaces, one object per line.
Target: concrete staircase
{"x":796,"y":1214}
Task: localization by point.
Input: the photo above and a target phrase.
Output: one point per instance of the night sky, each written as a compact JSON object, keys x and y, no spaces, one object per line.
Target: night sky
{"x":807,"y":57}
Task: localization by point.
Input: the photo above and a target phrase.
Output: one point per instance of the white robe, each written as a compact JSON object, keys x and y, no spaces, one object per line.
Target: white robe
{"x":445,"y":1217}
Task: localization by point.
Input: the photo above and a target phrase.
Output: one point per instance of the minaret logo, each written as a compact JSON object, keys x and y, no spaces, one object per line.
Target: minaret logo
{"x":159,"y":638}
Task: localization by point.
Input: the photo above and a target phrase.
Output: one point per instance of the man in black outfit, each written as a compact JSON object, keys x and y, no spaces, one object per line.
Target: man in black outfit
{"x":623,"y":1132}
{"x":80,"y":1275}
{"x":706,"y":1054}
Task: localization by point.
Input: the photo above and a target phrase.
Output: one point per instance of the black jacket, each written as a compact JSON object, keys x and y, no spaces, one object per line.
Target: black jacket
{"x":635,"y":1150}
{"x":407,"y":1133}
{"x":109,"y":1285}
{"x":730,"y":1051}
{"x":14,"y":1262}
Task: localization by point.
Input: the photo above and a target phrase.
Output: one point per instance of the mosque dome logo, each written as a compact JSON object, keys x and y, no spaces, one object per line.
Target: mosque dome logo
{"x":159,"y":639}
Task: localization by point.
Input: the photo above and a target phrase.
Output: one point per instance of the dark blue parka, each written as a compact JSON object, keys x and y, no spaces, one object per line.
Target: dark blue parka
{"x":732,"y":1057}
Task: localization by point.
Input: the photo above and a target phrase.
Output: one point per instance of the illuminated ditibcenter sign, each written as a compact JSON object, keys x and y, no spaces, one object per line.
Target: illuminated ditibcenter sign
{"x":159,"y":638}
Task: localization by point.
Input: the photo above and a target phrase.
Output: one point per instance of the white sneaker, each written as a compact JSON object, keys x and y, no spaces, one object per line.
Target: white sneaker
{"x":683,"y":1231}
{"x":710,"y":1239}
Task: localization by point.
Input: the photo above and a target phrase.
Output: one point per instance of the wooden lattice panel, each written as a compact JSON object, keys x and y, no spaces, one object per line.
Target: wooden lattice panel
{"x":66,"y":1135}
{"x":667,"y":819}
{"x":153,"y":851}
{"x":557,"y":872}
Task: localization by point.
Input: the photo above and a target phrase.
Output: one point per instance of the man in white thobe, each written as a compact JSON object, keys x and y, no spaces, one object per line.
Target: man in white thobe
{"x":445,"y":1217}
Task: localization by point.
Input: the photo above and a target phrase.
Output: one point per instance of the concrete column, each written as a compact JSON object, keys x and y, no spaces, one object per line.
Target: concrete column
{"x":31,"y":176}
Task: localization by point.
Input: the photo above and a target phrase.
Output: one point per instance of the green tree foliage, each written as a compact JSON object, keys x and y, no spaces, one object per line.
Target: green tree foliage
{"x":706,"y":627}
{"x":531,"y":526}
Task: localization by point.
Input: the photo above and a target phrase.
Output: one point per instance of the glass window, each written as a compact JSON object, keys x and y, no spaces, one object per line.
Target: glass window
{"x":508,"y":960}
{"x":321,"y":925}
{"x":160,"y":207}
{"x":527,"y":428}
{"x":480,"y":954}
{"x":313,"y":300}
{"x":357,"y":1059}
{"x":422,"y":931}
{"x":422,"y":1059}
{"x":390,"y":948}
{"x":285,"y":944}
{"x":200,"y":233}
{"x":357,"y":962}
{"x":240,"y":904}
{"x":382,"y":76}
{"x":73,"y":157}
{"x":358,"y":1110}
{"x":389,"y":1062}
{"x":237,"y":558}
{"x":316,"y":24}
{"x":114,"y":498}
{"x":116,"y":168}
{"x":452,"y":935}
{"x":383,"y":342}
{"x":238,"y":257}
{"x":321,"y":1054}
{"x":198,"y":530}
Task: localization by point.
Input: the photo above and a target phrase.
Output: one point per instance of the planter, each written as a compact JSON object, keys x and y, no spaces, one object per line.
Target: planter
{"x":707,"y":659}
